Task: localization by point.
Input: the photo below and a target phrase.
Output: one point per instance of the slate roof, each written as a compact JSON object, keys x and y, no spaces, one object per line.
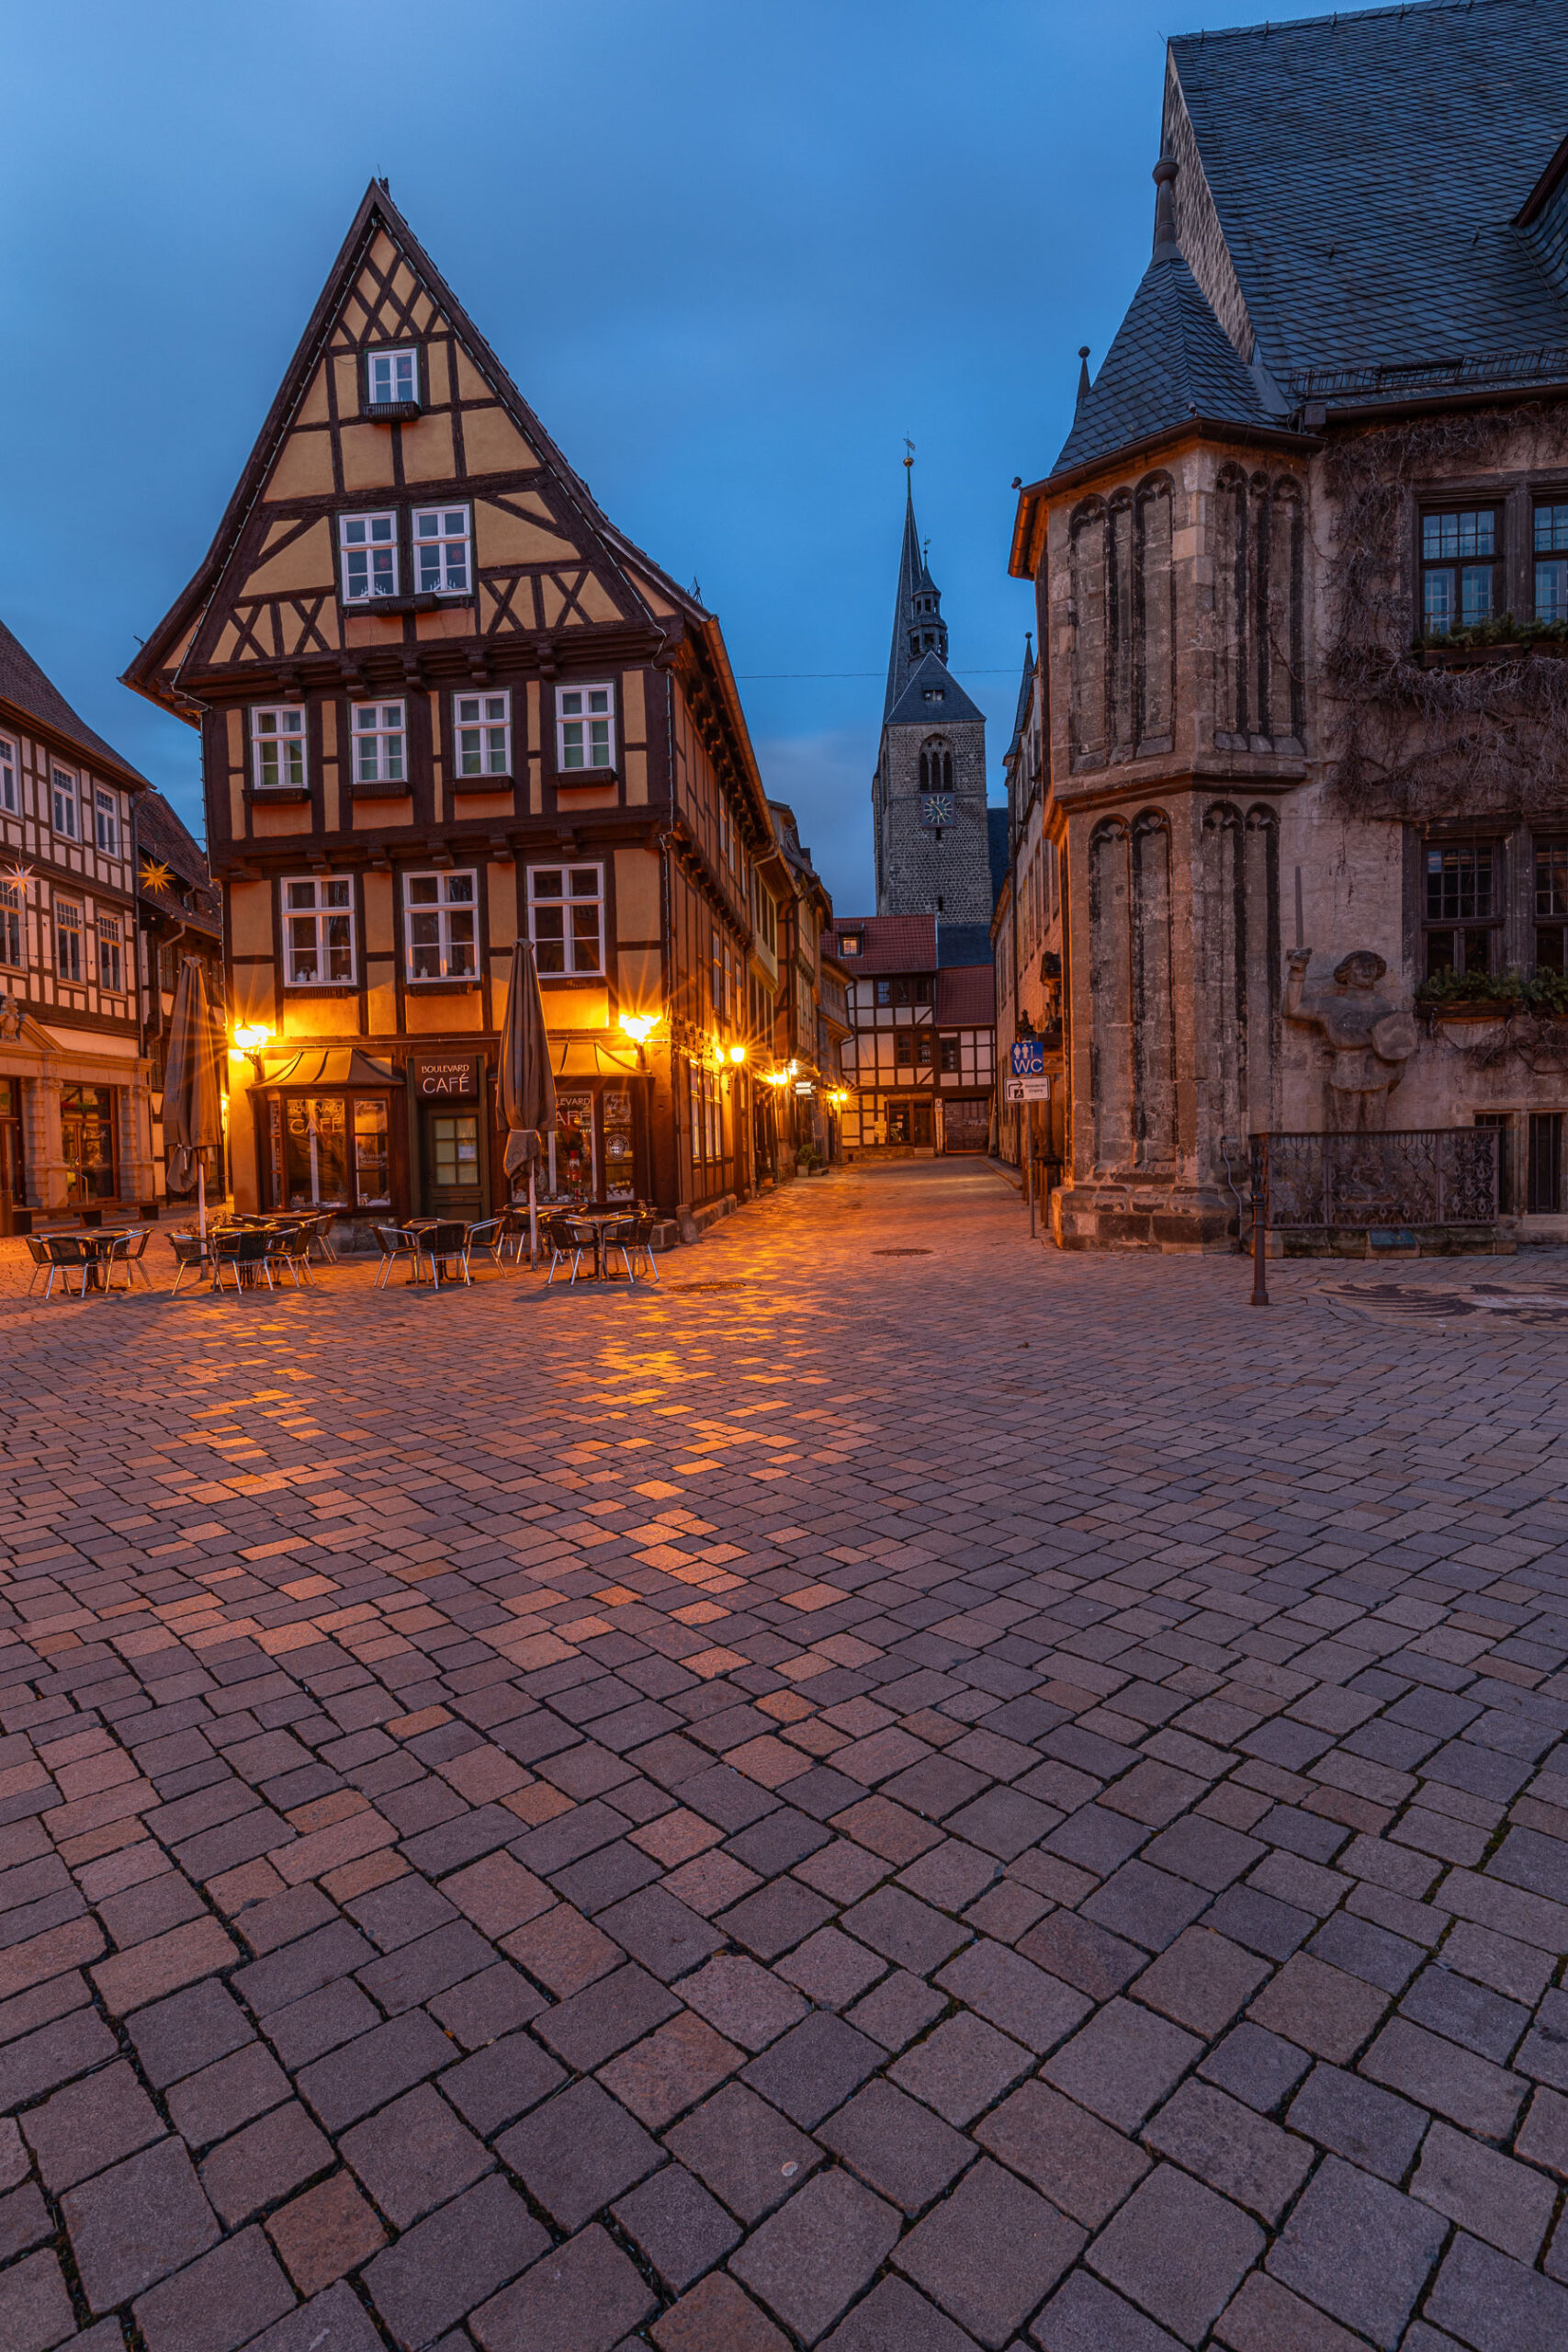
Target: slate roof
{"x":31,"y":695}
{"x":1367,"y":172}
{"x":1171,"y":360}
{"x":1367,"y":169}
{"x":913,"y":577}
{"x":998,"y":847}
{"x":967,"y":996}
{"x":890,"y":943}
{"x":1021,"y":717}
{"x":963,"y":942}
{"x":912,"y":709}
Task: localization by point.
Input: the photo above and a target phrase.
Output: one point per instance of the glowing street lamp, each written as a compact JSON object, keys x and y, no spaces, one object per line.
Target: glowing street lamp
{"x":639,"y":1026}
{"x":738,"y":1054}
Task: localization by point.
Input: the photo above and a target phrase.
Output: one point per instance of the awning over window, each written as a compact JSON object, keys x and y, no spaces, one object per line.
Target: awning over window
{"x":586,"y":1057}
{"x":330,"y":1065}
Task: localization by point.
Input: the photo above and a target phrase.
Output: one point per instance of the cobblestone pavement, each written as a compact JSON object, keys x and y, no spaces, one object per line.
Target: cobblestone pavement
{"x":746,"y":1815}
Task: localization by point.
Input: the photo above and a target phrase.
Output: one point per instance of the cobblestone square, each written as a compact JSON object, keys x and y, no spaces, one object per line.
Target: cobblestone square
{"x":739,"y":1812}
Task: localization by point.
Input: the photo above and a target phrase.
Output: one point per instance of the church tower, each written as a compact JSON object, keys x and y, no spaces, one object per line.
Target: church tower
{"x":928,"y":794}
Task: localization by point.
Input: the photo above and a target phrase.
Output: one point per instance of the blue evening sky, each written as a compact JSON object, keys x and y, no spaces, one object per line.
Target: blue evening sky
{"x":731,"y":254}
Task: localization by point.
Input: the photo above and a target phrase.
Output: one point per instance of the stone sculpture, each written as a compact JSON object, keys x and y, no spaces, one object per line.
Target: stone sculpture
{"x":1369,"y":1038}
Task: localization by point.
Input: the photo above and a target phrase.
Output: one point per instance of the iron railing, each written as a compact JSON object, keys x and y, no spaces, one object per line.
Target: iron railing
{"x":1545,"y":363}
{"x":1407,"y":1176}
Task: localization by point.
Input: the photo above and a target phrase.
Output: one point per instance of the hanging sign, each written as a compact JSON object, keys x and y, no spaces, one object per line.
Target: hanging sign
{"x":1026,"y":1089}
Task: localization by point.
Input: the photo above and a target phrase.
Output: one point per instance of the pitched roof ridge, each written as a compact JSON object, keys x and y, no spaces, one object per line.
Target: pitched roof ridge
{"x":1336,"y":20}
{"x":26,"y":686}
{"x":376,"y":209}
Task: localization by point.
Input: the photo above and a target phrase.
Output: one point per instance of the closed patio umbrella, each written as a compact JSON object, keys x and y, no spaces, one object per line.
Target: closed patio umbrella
{"x":193,"y":1087}
{"x":528,"y":1083}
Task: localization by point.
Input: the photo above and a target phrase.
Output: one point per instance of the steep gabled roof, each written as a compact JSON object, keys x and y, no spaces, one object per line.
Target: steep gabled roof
{"x":31,"y":695}
{"x":1367,"y":171}
{"x":1172,"y":361}
{"x":1024,"y":711}
{"x":378,"y":215}
{"x":912,"y":709}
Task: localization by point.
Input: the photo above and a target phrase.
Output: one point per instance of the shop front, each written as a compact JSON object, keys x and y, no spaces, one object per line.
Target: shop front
{"x":380,"y":1140}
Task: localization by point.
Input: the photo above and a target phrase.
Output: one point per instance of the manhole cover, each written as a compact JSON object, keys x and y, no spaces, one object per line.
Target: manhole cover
{"x":685,"y":1290}
{"x":903,"y":1253}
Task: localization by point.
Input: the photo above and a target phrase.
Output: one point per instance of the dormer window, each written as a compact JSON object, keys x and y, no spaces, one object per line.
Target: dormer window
{"x":936,"y":694}
{"x":849,"y":942}
{"x":391,"y":381}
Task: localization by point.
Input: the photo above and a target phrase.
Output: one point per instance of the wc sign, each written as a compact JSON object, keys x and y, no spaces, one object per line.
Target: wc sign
{"x":1029,"y":1057}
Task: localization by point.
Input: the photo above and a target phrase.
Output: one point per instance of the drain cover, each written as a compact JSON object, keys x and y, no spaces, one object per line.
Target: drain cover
{"x":903,"y":1253}
{"x":685,"y":1290}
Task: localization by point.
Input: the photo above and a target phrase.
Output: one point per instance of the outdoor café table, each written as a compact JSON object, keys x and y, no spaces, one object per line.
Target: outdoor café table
{"x":429,"y":1224}
{"x":96,"y":1247}
{"x":602,"y":1220}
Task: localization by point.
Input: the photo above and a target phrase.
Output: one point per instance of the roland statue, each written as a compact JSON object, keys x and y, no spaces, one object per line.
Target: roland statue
{"x":1369,"y":1038}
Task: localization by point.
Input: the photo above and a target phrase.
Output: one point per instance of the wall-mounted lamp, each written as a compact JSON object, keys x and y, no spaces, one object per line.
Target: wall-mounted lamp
{"x":250,"y":1038}
{"x":639,"y":1026}
{"x":738,"y":1053}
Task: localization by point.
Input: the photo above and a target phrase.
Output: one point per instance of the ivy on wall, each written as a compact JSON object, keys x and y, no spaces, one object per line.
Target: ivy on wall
{"x":1407,"y":735}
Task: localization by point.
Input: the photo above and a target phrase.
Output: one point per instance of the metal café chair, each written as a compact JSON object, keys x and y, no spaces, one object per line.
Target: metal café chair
{"x":289,"y":1245}
{"x":318,"y":1234}
{"x":192,"y":1255}
{"x":636,"y":1241}
{"x":395,"y":1241}
{"x":569,"y":1238}
{"x":41,"y":1262}
{"x":488,"y":1238}
{"x":447,"y":1242}
{"x":129,"y":1250}
{"x":244,"y":1251}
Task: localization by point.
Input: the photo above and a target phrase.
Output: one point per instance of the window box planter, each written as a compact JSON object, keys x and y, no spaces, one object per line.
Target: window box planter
{"x":579,"y":779}
{"x":392,"y":412}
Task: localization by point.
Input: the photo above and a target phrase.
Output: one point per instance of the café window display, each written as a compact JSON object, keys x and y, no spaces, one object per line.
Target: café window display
{"x":329,"y":1151}
{"x":88,"y":1139}
{"x":573,"y":1161}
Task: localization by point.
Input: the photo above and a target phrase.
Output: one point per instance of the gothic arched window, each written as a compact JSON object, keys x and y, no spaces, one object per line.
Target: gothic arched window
{"x":936,"y":764}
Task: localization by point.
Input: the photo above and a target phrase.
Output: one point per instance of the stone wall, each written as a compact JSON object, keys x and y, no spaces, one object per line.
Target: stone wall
{"x":917,"y":873}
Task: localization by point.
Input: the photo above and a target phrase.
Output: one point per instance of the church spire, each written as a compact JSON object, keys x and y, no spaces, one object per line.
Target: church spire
{"x":918,"y":625}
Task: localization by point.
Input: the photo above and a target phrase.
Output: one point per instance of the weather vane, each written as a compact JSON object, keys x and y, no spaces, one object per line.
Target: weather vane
{"x":910,"y":447}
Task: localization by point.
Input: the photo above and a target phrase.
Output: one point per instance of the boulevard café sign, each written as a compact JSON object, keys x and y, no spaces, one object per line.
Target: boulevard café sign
{"x":445,"y":1080}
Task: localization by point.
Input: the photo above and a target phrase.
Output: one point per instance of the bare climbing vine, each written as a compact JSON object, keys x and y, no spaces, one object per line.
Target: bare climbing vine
{"x":1409,"y":739}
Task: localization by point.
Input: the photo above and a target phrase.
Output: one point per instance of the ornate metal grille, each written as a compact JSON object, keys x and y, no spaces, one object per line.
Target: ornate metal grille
{"x":1405,"y":1177}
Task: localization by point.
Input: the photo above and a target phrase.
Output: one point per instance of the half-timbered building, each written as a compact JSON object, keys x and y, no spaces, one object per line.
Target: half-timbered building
{"x":74,"y":1128}
{"x":444,"y":703}
{"x":919,"y":1064}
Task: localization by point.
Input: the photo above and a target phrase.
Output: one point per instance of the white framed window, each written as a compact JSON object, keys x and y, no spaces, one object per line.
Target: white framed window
{"x":441,"y":553}
{"x":369,"y":547}
{"x":105,"y":810}
{"x":442,"y":925}
{"x":585,"y":728}
{"x":482,"y":724}
{"x":392,"y":375}
{"x":111,"y":954}
{"x":13,"y":934}
{"x":277,"y":748}
{"x":318,"y":931}
{"x":566,"y":918}
{"x":10,"y":799}
{"x":68,"y":939}
{"x":380,"y":749}
{"x":67,"y":821}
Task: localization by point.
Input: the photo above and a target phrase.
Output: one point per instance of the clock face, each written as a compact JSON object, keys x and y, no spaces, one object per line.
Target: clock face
{"x":936,"y":808}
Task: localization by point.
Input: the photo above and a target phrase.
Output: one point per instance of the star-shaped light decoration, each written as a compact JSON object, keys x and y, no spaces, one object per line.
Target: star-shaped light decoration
{"x":20,"y":875}
{"x":155,"y":876}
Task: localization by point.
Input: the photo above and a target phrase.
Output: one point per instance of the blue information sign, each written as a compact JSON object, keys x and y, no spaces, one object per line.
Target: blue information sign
{"x":1029,"y":1057}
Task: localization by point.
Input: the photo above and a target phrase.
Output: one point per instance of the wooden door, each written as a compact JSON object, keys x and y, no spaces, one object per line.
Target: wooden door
{"x":454,"y":1178}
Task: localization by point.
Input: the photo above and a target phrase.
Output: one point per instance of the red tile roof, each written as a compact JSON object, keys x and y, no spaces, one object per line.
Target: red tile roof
{"x":966,"y":997}
{"x":889,"y":942}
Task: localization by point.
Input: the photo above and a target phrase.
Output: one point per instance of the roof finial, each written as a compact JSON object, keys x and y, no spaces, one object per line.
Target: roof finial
{"x":1166,"y":247}
{"x":1083,"y":371}
{"x":910,"y":446}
